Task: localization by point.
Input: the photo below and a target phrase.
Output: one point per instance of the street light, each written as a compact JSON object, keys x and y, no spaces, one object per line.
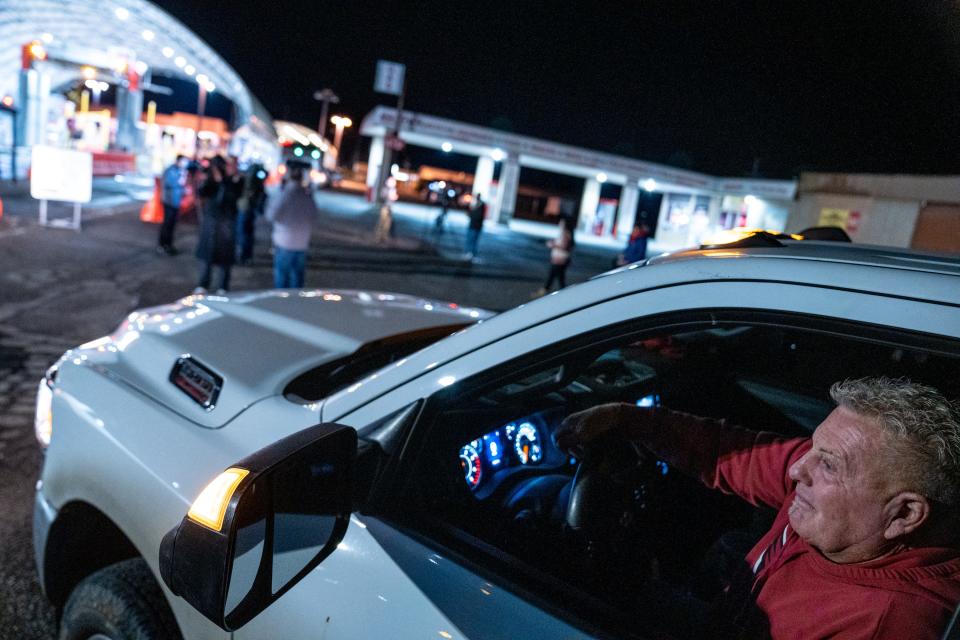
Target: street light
{"x":326,"y":97}
{"x":341,"y":122}
{"x":203,"y":85}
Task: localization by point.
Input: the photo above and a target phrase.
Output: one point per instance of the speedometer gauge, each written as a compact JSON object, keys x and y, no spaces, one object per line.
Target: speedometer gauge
{"x":527,"y":444}
{"x":471,"y":466}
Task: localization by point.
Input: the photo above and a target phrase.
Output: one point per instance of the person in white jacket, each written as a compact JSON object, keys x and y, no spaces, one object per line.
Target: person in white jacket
{"x":293,"y":214}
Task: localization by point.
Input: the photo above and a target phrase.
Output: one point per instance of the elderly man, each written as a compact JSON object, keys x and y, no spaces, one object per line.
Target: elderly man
{"x":865,"y":541}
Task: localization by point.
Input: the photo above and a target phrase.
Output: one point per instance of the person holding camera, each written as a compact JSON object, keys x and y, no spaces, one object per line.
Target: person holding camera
{"x":219,"y":193}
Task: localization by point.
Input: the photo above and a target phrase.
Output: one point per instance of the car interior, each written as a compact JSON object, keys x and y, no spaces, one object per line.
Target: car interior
{"x":617,"y":523}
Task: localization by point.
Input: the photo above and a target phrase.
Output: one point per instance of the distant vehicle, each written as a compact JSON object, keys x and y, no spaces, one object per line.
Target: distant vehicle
{"x":431,"y":499}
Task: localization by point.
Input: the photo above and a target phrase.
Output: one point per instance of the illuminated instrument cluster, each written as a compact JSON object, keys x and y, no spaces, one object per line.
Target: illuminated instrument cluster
{"x":514,"y":444}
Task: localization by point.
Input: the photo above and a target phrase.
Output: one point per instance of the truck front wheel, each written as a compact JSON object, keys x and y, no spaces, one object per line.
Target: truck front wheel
{"x":119,"y":602}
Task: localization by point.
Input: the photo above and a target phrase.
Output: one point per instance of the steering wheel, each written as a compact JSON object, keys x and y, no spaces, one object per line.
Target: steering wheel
{"x":611,"y":511}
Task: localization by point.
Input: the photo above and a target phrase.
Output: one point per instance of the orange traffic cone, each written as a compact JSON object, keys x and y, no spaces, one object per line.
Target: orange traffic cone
{"x":152,"y":210}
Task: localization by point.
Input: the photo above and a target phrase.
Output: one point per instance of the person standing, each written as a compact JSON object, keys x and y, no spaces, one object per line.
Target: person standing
{"x":250,"y":205}
{"x":560,"y":250}
{"x":636,"y":249}
{"x":219,"y":192}
{"x":172,"y":183}
{"x":477,"y":213}
{"x":293,"y":214}
{"x":445,"y":197}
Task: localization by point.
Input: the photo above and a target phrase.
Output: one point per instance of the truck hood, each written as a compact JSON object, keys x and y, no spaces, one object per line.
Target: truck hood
{"x":254,"y":342}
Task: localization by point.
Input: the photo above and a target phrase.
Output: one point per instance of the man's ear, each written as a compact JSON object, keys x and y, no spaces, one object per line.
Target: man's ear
{"x":907,"y":512}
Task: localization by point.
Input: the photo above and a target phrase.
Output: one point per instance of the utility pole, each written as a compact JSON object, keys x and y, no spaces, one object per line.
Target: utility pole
{"x":392,"y":138}
{"x":326,"y":97}
{"x":201,"y":107}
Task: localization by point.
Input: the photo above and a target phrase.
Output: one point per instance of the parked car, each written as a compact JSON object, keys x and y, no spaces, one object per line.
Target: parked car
{"x":430,"y":501}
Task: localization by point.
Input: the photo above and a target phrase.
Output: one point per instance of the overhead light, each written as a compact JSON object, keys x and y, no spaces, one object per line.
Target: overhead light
{"x":750,"y":200}
{"x":46,"y":37}
{"x":122,"y":13}
{"x":211,"y":87}
{"x":447,"y":147}
{"x":180,"y":61}
{"x":87,"y":72}
{"x":601,"y":177}
{"x":37,"y":50}
{"x":189,"y":69}
{"x":148,"y":35}
{"x":141,"y":67}
{"x":167,"y":52}
{"x":649,"y":184}
{"x":92,"y":84}
{"x":497,"y":155}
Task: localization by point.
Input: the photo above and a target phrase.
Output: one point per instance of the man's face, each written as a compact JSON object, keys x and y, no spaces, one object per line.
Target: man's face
{"x":841,"y":489}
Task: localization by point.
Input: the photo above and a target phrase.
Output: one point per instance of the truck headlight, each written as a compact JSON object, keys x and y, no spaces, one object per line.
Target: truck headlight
{"x":43,"y":421}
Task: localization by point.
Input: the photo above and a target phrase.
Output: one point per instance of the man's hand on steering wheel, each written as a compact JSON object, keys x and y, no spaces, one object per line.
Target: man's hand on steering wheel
{"x":579,"y":430}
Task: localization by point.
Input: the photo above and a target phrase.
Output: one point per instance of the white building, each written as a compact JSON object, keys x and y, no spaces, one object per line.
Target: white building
{"x":694,"y":205}
{"x":922,"y":212}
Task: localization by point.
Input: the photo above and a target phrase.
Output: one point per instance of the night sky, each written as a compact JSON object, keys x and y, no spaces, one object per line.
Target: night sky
{"x":733,"y":88}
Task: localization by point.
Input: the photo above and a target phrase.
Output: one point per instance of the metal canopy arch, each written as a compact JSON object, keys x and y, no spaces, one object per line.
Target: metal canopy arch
{"x":135,"y":25}
{"x":433,"y":132}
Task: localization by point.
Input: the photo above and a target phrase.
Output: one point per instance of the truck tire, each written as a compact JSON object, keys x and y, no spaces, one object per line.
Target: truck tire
{"x":119,"y":602}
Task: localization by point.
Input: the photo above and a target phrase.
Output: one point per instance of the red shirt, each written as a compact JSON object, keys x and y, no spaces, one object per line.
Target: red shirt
{"x":907,"y":595}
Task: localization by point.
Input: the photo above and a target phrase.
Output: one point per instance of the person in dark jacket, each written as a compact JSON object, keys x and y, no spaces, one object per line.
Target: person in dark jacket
{"x":477,"y":212}
{"x":251,"y":205}
{"x":219,"y":192}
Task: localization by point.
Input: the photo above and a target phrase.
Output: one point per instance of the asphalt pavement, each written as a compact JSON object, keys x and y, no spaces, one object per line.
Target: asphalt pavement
{"x":60,"y":288}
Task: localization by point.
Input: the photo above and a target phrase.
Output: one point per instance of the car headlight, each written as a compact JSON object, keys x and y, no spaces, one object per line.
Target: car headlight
{"x":43,"y":421}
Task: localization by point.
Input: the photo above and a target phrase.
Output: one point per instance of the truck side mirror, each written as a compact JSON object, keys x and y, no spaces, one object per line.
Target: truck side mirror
{"x":262,"y":525}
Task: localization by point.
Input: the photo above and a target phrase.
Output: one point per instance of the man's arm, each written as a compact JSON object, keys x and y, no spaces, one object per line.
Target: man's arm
{"x":277,"y":206}
{"x":750,"y":464}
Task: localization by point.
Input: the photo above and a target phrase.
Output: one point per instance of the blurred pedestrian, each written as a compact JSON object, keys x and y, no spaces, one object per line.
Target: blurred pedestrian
{"x":561,"y":249}
{"x":384,"y":230}
{"x":294,"y":214}
{"x":249,"y":206}
{"x":219,"y":193}
{"x":172,"y":183}
{"x":636,"y":249}
{"x":477,"y":213}
{"x":445,"y":196}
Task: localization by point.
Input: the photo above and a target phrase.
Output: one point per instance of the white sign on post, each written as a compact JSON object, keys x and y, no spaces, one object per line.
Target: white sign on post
{"x":389,"y":77}
{"x":63,"y":175}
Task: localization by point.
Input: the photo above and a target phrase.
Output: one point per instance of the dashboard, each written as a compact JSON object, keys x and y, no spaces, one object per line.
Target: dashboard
{"x":521,"y":444}
{"x":524,"y":443}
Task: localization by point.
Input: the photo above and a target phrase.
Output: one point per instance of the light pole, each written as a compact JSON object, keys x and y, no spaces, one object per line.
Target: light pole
{"x":326,"y":97}
{"x":341,"y":122}
{"x":204,"y":86}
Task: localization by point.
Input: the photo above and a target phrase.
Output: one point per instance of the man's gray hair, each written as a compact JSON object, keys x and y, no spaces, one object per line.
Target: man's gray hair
{"x":923,"y":427}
